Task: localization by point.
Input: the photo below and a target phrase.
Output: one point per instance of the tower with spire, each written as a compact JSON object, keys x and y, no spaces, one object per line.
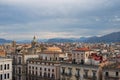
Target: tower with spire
{"x":34,"y":42}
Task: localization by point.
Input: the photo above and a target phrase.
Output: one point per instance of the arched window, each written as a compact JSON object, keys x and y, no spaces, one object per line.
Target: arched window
{"x":45,"y":58}
{"x":53,"y":76}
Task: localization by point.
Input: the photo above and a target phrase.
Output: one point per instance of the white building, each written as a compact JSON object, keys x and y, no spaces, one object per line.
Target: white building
{"x":46,"y":67}
{"x":19,"y":65}
{"x":80,"y":55}
{"x":42,"y":69}
{"x":5,"y":69}
{"x":111,"y":72}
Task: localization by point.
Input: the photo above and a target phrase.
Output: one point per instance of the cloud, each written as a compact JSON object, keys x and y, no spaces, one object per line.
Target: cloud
{"x":21,"y":19}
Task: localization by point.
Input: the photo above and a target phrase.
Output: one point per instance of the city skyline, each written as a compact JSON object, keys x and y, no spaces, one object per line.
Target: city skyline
{"x":22,"y":19}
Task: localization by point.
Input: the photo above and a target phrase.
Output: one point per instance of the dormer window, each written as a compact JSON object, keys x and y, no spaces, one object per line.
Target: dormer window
{"x":107,"y":74}
{"x":117,"y":73}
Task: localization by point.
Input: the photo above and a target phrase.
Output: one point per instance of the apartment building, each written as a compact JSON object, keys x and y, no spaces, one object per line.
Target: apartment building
{"x":111,"y":72}
{"x":80,"y":55}
{"x":5,"y":69}
{"x":47,"y":66}
{"x":43,"y":69}
{"x":80,"y":72}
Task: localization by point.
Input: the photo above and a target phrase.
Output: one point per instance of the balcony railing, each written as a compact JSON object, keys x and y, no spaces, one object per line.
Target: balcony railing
{"x":112,"y":77}
{"x":68,"y":74}
{"x":77,"y":75}
{"x":89,"y":77}
{"x":42,"y":77}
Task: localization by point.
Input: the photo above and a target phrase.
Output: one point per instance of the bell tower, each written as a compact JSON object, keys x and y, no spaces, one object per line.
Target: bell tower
{"x":34,"y":42}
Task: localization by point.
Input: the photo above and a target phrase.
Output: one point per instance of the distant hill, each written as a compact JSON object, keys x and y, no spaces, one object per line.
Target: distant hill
{"x":2,"y":41}
{"x":113,"y":37}
{"x":60,"y":40}
{"x":29,"y":41}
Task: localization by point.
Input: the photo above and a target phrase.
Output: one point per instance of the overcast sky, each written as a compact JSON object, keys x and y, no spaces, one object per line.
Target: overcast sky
{"x":22,"y":19}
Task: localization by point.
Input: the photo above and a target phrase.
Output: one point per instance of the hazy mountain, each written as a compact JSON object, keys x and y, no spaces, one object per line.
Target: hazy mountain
{"x":60,"y":40}
{"x":2,"y":41}
{"x":24,"y":41}
{"x":113,"y":37}
{"x":29,"y":41}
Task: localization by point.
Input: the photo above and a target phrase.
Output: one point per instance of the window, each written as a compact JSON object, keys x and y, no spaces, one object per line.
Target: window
{"x":48,"y":74}
{"x":45,"y":74}
{"x":8,"y":76}
{"x":40,"y":68}
{"x":52,"y":70}
{"x":1,"y":77}
{"x":5,"y":66}
{"x":45,"y":69}
{"x":48,"y":63}
{"x":48,"y":69}
{"x":77,"y":72}
{"x":19,"y":70}
{"x":1,"y":67}
{"x":50,"y":59}
{"x":63,"y":70}
{"x":94,"y":74}
{"x":33,"y":72}
{"x":82,"y":61}
{"x":29,"y":67}
{"x":45,"y":58}
{"x":107,"y":74}
{"x":8,"y":66}
{"x":70,"y":71}
{"x":32,"y":67}
{"x":19,"y":60}
{"x":40,"y":73}
{"x":53,"y":75}
{"x":116,"y":73}
{"x":86,"y":73}
{"x":36,"y":73}
{"x":36,"y":68}
{"x":4,"y":76}
{"x":29,"y":71}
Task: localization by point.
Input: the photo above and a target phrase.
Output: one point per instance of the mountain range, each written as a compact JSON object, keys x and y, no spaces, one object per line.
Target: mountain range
{"x":112,"y":37}
{"x":2,"y":41}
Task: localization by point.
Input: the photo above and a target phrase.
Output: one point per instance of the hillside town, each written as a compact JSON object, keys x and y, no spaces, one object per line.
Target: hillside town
{"x":59,"y":61}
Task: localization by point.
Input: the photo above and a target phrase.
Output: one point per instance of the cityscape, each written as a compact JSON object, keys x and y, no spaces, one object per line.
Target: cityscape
{"x":59,"y":40}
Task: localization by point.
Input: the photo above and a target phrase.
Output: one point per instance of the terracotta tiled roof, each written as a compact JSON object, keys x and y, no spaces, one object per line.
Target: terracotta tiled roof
{"x":2,"y":53}
{"x":54,"y":49}
{"x":82,"y":49}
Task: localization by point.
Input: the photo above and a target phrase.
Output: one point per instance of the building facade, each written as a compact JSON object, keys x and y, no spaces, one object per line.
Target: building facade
{"x":5,"y":69}
{"x":80,"y":55}
{"x":47,"y":66}
{"x":111,"y":72}
{"x":20,"y":65}
{"x":79,"y":72}
{"x":43,"y":70}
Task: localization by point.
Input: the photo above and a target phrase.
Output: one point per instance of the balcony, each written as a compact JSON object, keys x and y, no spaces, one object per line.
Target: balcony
{"x":90,"y":77}
{"x":40,"y":77}
{"x":68,"y":74}
{"x":112,"y":77}
{"x":77,"y":75}
{"x":63,"y":73}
